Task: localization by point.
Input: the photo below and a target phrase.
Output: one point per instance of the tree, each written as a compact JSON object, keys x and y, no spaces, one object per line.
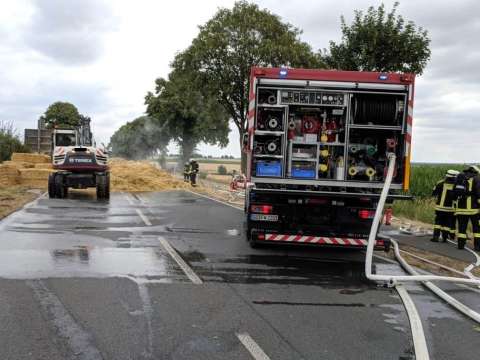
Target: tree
{"x":189,"y":116}
{"x":376,"y":41}
{"x":9,"y":141}
{"x":232,"y":42}
{"x":138,"y":139}
{"x":61,"y":114}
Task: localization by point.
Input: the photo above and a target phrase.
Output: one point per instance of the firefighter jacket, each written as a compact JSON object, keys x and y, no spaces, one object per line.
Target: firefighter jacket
{"x":186,"y":169}
{"x":469,"y":202}
{"x":444,"y":195}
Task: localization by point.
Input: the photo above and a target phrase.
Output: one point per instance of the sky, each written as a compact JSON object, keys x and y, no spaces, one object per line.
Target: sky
{"x":103,"y":56}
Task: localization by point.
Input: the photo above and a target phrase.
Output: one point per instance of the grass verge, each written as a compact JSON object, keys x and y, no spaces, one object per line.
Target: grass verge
{"x":419,"y":210}
{"x":13,"y":198}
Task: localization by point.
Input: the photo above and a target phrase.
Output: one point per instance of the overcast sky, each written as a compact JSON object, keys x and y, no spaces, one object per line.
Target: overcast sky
{"x":104,"y":56}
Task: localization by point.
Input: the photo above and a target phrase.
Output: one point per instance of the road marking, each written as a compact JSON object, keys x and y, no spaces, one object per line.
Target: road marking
{"x":186,"y":269}
{"x":130,"y":201}
{"x":253,"y":348}
{"x":213,"y":199}
{"x":81,"y":343}
{"x":143,"y":217}
{"x":419,"y":341}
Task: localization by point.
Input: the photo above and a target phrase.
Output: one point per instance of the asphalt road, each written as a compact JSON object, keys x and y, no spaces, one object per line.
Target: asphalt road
{"x":169,"y":276}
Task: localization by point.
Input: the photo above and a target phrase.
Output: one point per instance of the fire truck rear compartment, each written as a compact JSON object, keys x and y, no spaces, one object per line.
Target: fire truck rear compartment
{"x":312,"y":215}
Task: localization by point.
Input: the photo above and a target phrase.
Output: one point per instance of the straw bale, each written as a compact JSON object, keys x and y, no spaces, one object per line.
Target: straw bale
{"x":43,"y":166}
{"x":20,"y":164}
{"x":30,"y":158}
{"x":34,"y":174}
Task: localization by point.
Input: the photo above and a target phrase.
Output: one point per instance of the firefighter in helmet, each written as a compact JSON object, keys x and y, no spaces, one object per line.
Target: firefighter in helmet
{"x":467,"y":210}
{"x":186,"y":172}
{"x":194,"y":168}
{"x":444,"y":194}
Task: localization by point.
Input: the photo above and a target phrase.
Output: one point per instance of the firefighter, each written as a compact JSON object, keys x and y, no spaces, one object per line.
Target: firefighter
{"x":193,"y":172}
{"x":444,"y":194}
{"x":467,"y":209}
{"x":186,"y":172}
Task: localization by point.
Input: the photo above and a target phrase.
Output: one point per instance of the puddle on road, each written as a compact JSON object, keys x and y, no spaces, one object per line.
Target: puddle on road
{"x":89,"y":262}
{"x":348,"y":277}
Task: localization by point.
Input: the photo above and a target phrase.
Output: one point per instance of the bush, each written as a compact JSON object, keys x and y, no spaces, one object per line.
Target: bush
{"x":9,"y":142}
{"x":222,"y":170}
{"x":202,"y":175}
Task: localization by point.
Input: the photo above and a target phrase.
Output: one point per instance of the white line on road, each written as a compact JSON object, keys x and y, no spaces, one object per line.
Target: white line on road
{"x":186,"y":269}
{"x":253,"y":348}
{"x":419,"y":341}
{"x":130,"y":201}
{"x":143,"y":217}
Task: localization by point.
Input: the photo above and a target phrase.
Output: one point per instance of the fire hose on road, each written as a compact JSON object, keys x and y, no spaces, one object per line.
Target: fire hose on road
{"x":420,"y":345}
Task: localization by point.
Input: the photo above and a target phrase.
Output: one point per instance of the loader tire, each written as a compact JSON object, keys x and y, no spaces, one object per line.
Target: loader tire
{"x":103,"y":186}
{"x":51,"y":186}
{"x":59,"y":187}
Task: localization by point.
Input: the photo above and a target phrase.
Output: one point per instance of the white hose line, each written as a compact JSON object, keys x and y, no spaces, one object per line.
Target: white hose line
{"x":394,"y":279}
{"x":418,"y":335}
{"x":468,"y":270}
{"x":435,"y":289}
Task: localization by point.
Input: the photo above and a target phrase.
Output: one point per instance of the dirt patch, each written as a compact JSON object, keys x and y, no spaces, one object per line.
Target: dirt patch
{"x":14,"y":197}
{"x":440,"y":259}
{"x":128,"y":175}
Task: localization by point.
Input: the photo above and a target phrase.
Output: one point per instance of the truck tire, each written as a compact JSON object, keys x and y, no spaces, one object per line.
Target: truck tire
{"x":103,"y":186}
{"x":107,"y":187}
{"x":51,"y":186}
{"x":252,"y":239}
{"x":59,"y":187}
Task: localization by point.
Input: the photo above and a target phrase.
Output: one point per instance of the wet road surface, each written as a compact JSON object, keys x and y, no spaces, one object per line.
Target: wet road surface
{"x":170,"y":276}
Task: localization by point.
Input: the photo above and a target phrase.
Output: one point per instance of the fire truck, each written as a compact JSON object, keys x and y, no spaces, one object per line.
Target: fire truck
{"x":317,"y":145}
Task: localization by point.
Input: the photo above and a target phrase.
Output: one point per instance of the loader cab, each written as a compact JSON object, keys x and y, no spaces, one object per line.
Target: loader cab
{"x":64,"y":138}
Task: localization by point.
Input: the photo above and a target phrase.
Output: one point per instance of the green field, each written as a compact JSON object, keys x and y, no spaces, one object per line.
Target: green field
{"x":423,"y":179}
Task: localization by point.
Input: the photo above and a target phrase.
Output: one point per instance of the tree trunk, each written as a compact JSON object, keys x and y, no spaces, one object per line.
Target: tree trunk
{"x":187,"y":146}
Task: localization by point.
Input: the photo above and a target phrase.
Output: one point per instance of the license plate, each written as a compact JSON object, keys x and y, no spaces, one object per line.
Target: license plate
{"x":261,"y":217}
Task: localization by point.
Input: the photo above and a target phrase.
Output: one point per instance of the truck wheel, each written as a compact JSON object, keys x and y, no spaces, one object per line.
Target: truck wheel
{"x":103,"y":187}
{"x":59,"y":187}
{"x":252,"y":239}
{"x":51,"y":186}
{"x":107,"y":187}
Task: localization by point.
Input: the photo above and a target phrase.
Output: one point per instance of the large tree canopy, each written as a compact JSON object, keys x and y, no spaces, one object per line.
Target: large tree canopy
{"x":377,"y":41}
{"x":231,"y":43}
{"x":61,"y":114}
{"x":138,"y":139}
{"x":186,"y":114}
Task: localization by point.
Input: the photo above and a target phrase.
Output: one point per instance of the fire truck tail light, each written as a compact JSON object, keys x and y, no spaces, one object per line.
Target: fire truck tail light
{"x":261,"y":209}
{"x":366,"y":214}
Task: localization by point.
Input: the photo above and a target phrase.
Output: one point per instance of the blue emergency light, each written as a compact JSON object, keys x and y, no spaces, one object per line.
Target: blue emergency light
{"x":383,"y":77}
{"x":283,"y":72}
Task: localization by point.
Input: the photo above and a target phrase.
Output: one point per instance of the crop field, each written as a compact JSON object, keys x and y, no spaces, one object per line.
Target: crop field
{"x":423,"y":179}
